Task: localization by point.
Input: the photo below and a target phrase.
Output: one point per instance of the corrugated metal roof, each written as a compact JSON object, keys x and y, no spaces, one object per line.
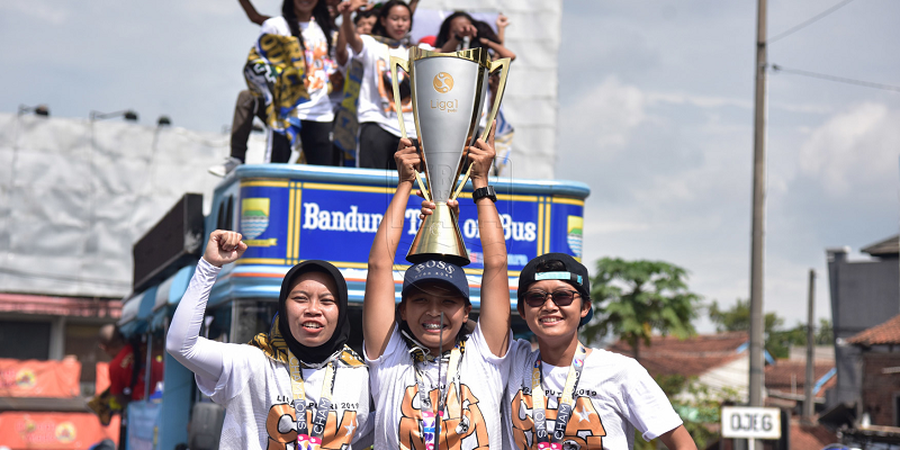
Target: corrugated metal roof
{"x":60,"y":306}
{"x":887,"y":247}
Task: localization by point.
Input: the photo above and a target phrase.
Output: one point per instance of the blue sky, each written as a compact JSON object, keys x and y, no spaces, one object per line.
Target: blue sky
{"x":655,"y":115}
{"x":660,"y":101}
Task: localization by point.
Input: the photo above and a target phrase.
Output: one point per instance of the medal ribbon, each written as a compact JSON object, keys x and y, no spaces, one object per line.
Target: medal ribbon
{"x":310,"y":439}
{"x":432,"y":415}
{"x":546,"y":440}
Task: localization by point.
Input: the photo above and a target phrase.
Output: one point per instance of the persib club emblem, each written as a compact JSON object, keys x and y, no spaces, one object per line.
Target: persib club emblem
{"x":254,"y":217}
{"x":574,"y":234}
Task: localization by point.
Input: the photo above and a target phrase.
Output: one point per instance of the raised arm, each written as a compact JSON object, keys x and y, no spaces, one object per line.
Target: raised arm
{"x":251,"y":12}
{"x":183,"y":341}
{"x":456,"y":37}
{"x":502,"y":22}
{"x":348,"y":29}
{"x":495,"y":309}
{"x":378,"y":306}
{"x":502,"y":52}
{"x":341,"y":55}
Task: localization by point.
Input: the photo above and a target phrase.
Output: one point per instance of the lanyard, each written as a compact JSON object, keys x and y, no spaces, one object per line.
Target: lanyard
{"x":310,"y":439}
{"x":566,"y":402}
{"x":432,"y":414}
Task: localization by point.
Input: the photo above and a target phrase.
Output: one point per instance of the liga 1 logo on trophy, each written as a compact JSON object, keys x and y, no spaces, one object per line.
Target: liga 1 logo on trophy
{"x":443,"y":83}
{"x":445,"y":125}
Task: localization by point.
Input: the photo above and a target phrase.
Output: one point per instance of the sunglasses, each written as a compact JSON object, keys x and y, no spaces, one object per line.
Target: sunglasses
{"x":562,"y":297}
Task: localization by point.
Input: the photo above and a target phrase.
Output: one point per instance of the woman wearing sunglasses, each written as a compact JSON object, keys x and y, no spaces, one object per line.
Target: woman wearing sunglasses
{"x":565,"y":395}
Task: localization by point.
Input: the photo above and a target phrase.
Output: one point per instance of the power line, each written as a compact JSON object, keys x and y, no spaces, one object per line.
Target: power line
{"x":886,"y":87}
{"x":810,"y":21}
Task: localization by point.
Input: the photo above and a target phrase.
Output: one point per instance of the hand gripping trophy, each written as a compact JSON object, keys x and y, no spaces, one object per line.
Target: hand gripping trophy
{"x":448,"y":92}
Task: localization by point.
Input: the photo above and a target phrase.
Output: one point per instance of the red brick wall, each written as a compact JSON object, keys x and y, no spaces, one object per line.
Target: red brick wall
{"x":879,"y":388}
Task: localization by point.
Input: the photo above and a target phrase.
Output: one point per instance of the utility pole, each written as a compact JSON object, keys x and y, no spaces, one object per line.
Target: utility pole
{"x":759,"y":214}
{"x":808,"y":400}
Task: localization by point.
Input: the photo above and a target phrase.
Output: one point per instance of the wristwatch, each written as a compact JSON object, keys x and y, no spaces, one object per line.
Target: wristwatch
{"x":481,"y":193}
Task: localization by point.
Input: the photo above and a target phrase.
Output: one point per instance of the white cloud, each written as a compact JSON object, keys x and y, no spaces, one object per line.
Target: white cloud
{"x":855,"y":148}
{"x":606,"y":116}
{"x":702,"y":101}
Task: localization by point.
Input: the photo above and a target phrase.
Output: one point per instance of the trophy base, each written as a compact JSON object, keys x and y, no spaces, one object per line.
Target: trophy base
{"x":439,"y":239}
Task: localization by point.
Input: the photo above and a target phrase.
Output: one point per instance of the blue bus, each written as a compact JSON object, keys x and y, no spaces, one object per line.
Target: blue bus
{"x":287,"y":214}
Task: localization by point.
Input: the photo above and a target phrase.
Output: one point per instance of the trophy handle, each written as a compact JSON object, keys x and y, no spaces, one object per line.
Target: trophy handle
{"x":463,"y":184}
{"x":421,"y":184}
{"x":396,"y":61}
{"x":398,"y":106}
{"x":503,"y":65}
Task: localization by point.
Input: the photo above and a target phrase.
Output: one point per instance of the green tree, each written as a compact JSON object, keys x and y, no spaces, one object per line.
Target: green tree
{"x":825,"y":333}
{"x":634,"y":298}
{"x":737,"y":318}
{"x":778,"y":340}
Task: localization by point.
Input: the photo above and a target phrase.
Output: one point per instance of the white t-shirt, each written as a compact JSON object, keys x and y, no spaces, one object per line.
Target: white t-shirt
{"x":256,"y":393}
{"x":376,"y":93}
{"x":398,"y":417}
{"x":614,"y":396}
{"x":319,"y":63}
{"x":256,"y":390}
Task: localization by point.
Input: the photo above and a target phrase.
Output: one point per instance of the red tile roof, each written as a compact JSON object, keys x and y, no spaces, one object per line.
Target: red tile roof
{"x":884,"y":334}
{"x":690,"y":357}
{"x":815,"y":437}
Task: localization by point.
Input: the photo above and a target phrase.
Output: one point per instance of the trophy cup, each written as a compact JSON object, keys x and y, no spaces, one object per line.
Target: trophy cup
{"x":448,"y":91}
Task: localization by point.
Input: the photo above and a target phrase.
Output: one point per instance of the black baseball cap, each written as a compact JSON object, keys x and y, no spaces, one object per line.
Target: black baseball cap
{"x":575,"y":274}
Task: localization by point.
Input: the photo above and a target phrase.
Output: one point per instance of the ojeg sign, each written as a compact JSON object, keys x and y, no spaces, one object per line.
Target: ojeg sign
{"x":747,"y":422}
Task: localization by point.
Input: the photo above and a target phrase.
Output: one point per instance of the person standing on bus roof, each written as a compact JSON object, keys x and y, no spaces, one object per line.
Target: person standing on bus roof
{"x":275,"y":388}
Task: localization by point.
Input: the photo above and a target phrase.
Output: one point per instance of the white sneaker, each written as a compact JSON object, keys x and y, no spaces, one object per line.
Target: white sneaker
{"x":220,"y":170}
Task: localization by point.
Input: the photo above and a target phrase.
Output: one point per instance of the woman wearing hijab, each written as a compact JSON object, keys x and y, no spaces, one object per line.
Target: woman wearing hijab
{"x":300,"y":368}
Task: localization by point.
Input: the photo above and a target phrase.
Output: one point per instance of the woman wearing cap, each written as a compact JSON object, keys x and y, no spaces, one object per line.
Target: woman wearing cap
{"x":564,"y":395}
{"x":300,"y":367}
{"x":434,"y":384}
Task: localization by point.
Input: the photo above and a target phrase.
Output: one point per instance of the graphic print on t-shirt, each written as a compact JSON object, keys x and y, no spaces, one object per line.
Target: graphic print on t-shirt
{"x":584,"y":432}
{"x":320,"y":65}
{"x":386,"y":89}
{"x":463,"y":429}
{"x":281,"y":425}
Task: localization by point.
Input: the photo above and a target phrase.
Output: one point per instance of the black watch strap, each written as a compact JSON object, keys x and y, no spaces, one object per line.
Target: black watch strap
{"x":481,"y":193}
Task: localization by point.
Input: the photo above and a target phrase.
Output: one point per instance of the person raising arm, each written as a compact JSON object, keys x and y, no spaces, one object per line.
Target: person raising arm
{"x":429,"y":369}
{"x":300,"y":366}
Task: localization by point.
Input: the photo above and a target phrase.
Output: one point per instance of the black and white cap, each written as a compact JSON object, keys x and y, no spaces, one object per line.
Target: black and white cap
{"x":575,"y":274}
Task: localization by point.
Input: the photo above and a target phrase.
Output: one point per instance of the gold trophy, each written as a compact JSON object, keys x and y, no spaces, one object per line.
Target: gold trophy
{"x":448,"y":91}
